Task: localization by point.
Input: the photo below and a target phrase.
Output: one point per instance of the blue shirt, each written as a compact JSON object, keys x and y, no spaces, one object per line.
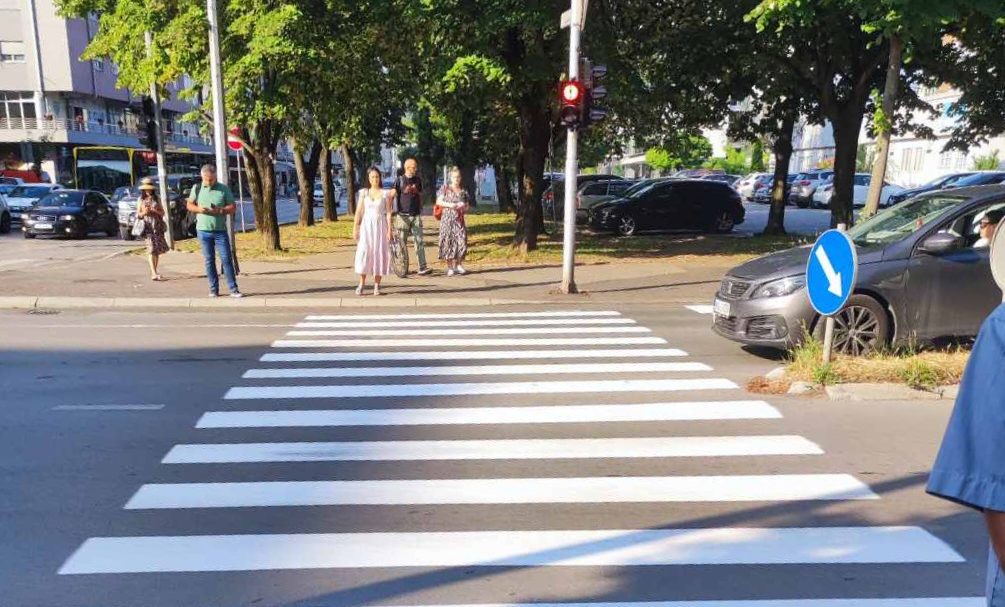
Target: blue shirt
{"x":970,"y":467}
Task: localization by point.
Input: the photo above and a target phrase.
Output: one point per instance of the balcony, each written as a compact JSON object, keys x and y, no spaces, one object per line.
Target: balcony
{"x":13,"y":130}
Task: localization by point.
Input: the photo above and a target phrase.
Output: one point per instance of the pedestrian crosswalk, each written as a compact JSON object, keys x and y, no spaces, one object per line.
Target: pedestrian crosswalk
{"x":496,"y":413}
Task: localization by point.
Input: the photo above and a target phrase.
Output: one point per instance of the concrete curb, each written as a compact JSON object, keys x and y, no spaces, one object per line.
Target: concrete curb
{"x":873,"y":392}
{"x":252,"y":303}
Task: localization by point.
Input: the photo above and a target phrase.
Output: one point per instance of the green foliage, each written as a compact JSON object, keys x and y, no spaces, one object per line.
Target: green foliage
{"x":688,"y":152}
{"x":757,"y":157}
{"x":919,"y":374}
{"x":865,"y":158}
{"x":989,"y":162}
{"x":735,"y":162}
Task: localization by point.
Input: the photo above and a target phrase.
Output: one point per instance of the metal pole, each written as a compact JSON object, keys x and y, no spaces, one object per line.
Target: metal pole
{"x":219,"y":119}
{"x":240,"y":189}
{"x":166,"y":201}
{"x":571,"y":166}
{"x":829,"y":321}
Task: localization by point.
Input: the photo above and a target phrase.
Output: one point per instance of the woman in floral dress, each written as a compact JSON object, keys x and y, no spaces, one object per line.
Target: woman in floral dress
{"x":453,"y":201}
{"x":150,"y":211}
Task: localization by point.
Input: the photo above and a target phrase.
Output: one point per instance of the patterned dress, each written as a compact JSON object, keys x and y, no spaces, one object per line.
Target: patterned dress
{"x":453,"y":232}
{"x":156,"y":243}
{"x":373,"y":251}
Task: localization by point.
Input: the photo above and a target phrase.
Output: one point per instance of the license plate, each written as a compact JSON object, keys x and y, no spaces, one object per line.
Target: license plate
{"x":721,"y":308}
{"x":42,"y":226}
{"x":16,"y":215}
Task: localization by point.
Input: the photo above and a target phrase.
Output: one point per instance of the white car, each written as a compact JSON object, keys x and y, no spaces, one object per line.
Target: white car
{"x":319,"y":195}
{"x":748,"y":186}
{"x":822,"y":197}
{"x":22,"y":197}
{"x":5,"y":216}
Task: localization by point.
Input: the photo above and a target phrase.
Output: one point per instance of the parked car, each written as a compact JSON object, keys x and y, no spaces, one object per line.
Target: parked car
{"x":319,"y":194}
{"x":979,"y":178}
{"x":21,"y":198}
{"x":806,"y":184}
{"x":824,"y":193}
{"x":552,"y":207}
{"x":749,"y":185}
{"x":124,"y":200}
{"x":936,"y":184}
{"x":729,"y":180}
{"x":594,"y":192}
{"x":922,"y":275}
{"x":5,"y":215}
{"x":763,"y":194}
{"x":685,"y":204}
{"x":75,"y":213}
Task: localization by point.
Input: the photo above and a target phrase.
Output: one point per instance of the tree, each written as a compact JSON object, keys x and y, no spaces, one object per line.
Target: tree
{"x":757,"y":156}
{"x":989,"y":162}
{"x":687,"y":151}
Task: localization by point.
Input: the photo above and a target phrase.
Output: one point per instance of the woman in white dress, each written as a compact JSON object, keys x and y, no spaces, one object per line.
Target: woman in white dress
{"x":372,"y":232}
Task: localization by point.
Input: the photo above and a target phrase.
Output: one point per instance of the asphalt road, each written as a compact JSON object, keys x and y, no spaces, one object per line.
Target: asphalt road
{"x":156,"y":459}
{"x":797,"y":221}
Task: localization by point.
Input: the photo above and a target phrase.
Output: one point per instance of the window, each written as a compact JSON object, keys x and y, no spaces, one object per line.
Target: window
{"x":912,"y":159}
{"x":595,"y":189}
{"x":15,"y":106}
{"x":99,"y":65}
{"x":619,"y":187}
{"x":952,"y":160}
{"x":863,"y":179}
{"x":11,"y":51}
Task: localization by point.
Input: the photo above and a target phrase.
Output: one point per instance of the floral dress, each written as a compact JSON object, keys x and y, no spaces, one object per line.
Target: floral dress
{"x":156,"y":243}
{"x":453,"y":231}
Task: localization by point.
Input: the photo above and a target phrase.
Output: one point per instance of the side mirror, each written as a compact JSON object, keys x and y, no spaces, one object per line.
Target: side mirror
{"x":941,"y":244}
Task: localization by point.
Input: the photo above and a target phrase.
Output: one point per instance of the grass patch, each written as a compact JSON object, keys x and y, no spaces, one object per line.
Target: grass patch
{"x":921,"y":370}
{"x":490,"y":242}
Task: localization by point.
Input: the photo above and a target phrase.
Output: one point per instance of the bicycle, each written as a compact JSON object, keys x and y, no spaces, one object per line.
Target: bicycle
{"x":399,"y":255}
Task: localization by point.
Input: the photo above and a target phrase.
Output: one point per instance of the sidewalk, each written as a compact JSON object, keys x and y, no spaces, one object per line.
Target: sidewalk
{"x":327,"y":280}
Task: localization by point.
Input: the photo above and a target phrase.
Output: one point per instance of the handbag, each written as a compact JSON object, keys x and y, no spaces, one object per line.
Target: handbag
{"x":438,"y":212}
{"x":139,"y":228}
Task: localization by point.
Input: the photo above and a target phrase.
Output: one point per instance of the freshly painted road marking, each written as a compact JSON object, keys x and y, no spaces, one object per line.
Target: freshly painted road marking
{"x":471,"y":331}
{"x":469,"y":355}
{"x":921,"y":602}
{"x":108,"y":407}
{"x":614,"y":548}
{"x":470,"y":389}
{"x":560,"y":314}
{"x":552,"y":369}
{"x":511,"y":449}
{"x":829,"y":487}
{"x":701,"y":309}
{"x":350,"y":323}
{"x":561,"y":414}
{"x":463,"y":342}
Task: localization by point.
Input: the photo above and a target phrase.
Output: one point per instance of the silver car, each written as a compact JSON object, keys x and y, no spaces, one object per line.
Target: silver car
{"x":923,"y":274}
{"x":594,"y":192}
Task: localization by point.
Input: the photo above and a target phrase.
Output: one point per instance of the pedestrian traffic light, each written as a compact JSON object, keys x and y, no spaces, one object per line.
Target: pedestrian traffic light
{"x":594,"y":92}
{"x":148,"y":125}
{"x":571,"y":99}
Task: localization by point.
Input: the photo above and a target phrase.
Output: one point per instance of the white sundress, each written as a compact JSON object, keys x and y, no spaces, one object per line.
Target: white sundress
{"x":373,"y":251}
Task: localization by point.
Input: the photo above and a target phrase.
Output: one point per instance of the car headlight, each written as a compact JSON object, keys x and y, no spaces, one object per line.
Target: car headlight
{"x":67,"y":217}
{"x":606,"y":213}
{"x":781,"y":287}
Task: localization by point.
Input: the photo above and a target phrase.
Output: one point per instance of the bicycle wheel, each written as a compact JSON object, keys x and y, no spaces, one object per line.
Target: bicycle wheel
{"x":399,"y":256}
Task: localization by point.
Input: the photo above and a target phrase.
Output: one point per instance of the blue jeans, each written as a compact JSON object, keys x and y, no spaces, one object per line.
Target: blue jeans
{"x":211,"y":243}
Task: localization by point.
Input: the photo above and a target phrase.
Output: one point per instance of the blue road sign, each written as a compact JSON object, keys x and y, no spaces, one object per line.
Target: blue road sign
{"x":831,"y":272}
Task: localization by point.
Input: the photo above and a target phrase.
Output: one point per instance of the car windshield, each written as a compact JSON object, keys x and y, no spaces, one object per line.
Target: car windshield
{"x":28,"y":191}
{"x":944,"y":181}
{"x":62,"y":199}
{"x":640,"y":188}
{"x":899,"y":222}
{"x":980,"y":179}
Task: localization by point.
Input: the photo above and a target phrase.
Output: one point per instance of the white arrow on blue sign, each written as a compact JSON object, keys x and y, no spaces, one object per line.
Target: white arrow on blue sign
{"x":831,"y":272}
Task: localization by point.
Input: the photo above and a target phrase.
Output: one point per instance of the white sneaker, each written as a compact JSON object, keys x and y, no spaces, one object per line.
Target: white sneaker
{"x":237,"y":295}
{"x":461,"y":270}
{"x":450,"y":272}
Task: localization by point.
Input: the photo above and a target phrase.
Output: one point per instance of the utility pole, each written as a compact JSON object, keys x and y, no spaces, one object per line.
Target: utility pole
{"x":219,"y":119}
{"x":571,"y":162}
{"x":166,"y":202}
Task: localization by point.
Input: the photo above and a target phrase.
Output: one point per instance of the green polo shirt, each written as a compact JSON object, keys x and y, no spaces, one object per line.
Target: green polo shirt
{"x":217,"y":196}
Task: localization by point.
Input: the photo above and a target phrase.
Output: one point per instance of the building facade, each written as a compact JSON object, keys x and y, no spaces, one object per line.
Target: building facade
{"x":53,"y":103}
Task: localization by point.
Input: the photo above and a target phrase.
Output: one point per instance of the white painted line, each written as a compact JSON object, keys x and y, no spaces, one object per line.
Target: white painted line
{"x":914,"y":602}
{"x":350,"y":323}
{"x":511,"y":449}
{"x":464,"y":342}
{"x":551,"y":369}
{"x":469,"y":355}
{"x":462,"y":389}
{"x":796,"y":487}
{"x":599,"y":548}
{"x":108,"y":407}
{"x":700,"y":309}
{"x":472,"y":331}
{"x":562,"y":414}
{"x":565,"y":314}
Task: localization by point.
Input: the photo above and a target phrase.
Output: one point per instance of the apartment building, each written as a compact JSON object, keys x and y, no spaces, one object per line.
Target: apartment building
{"x":52,"y":102}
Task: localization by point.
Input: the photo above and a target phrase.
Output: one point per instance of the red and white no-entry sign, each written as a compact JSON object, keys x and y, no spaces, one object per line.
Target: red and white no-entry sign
{"x":232,"y":142}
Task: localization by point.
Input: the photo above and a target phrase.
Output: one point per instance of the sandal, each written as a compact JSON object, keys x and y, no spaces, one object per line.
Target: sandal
{"x":157,"y":278}
{"x":359,"y":290}
{"x":376,"y":291}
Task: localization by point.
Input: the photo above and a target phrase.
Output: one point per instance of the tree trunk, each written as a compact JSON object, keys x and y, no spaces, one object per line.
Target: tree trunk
{"x":307,"y":170}
{"x":261,"y":171}
{"x":783,"y":154}
{"x":503,"y":192}
{"x":427,"y":174}
{"x":350,"y":177}
{"x":468,"y":181}
{"x":884,"y":128}
{"x":534,"y":129}
{"x":327,"y":191}
{"x":847,"y":123}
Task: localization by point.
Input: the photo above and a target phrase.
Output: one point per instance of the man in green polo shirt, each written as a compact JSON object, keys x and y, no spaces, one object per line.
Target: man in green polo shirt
{"x":212,"y":201}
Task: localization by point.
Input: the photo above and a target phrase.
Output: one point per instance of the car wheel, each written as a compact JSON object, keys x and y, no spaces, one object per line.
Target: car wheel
{"x":28,"y":235}
{"x":627,"y":226}
{"x":803,"y":204}
{"x":5,"y":224}
{"x":722,"y":223}
{"x":111,"y":233}
{"x":860,"y":328}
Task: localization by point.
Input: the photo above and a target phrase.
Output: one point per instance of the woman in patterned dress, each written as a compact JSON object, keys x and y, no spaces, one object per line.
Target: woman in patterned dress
{"x":372,"y":232}
{"x":150,"y":211}
{"x":453,"y":201}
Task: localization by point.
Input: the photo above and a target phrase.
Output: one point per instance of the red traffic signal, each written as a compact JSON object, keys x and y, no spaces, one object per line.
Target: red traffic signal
{"x":571,"y":94}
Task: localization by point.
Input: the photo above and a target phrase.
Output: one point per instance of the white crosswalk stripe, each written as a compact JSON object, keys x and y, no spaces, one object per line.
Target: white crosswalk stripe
{"x":547,"y":424}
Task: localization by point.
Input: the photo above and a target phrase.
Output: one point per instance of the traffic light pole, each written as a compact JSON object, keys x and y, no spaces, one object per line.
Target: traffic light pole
{"x":571,"y":164}
{"x":166,"y":202}
{"x":219,"y":119}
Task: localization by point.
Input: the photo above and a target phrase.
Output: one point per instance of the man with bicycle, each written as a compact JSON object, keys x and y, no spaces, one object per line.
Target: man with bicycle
{"x":408,"y":211}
